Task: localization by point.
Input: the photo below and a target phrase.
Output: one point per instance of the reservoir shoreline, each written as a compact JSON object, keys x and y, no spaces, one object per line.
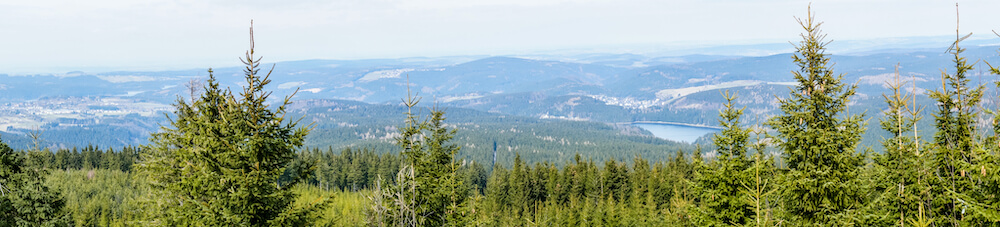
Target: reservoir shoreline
{"x":675,"y":131}
{"x":672,"y":123}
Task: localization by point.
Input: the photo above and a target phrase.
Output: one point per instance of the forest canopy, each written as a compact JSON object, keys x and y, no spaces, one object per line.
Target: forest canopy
{"x":233,"y":158}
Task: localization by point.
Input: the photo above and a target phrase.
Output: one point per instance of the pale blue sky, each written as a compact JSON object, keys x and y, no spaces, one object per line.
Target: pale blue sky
{"x":53,"y":36}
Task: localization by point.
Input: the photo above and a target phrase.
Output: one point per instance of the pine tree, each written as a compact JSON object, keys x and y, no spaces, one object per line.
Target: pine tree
{"x":720,"y":183}
{"x":220,"y":161}
{"x":818,"y":138}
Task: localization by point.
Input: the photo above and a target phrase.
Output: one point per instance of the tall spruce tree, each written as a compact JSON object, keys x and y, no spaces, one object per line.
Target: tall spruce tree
{"x":819,"y":138}
{"x":220,"y":161}
{"x":720,"y":183}
{"x":957,"y":154}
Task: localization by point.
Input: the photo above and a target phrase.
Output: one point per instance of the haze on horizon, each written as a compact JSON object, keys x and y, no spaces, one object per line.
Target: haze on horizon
{"x":55,"y":36}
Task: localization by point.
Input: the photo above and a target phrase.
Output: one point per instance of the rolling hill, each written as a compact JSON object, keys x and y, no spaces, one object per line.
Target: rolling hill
{"x":573,"y":88}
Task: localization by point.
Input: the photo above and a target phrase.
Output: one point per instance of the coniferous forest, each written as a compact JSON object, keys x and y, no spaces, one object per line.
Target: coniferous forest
{"x":233,"y":158}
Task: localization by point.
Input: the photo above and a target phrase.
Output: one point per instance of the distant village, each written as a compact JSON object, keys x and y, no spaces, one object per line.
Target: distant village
{"x":72,"y":111}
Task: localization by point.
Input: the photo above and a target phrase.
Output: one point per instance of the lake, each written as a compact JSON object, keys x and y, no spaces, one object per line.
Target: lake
{"x":673,"y":132}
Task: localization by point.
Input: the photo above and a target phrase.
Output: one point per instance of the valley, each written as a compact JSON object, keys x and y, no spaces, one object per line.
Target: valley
{"x":499,"y":113}
{"x":599,"y":88}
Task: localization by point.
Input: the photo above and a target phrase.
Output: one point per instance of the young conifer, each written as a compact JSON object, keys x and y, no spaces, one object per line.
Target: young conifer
{"x":818,"y":138}
{"x":990,"y":169}
{"x":435,"y":195}
{"x":899,"y":174}
{"x":720,"y":184}
{"x":759,"y":189}
{"x":220,"y":161}
{"x":956,"y":151}
{"x":25,"y":200}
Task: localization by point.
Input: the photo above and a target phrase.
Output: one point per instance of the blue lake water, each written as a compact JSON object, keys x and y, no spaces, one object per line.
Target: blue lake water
{"x":681,"y":133}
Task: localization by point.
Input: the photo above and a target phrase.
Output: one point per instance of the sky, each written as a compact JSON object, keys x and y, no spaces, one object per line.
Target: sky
{"x":57,"y":36}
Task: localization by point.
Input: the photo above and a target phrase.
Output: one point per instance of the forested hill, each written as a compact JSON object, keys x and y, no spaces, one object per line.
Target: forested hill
{"x":341,"y":124}
{"x":115,"y":109}
{"x":235,"y":158}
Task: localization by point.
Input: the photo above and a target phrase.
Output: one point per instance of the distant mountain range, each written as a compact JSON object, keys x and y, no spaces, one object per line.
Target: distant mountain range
{"x":607,"y":88}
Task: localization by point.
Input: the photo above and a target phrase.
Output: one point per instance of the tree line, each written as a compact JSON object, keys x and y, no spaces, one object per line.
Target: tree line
{"x":819,"y":176}
{"x":230,"y":159}
{"x":86,"y":158}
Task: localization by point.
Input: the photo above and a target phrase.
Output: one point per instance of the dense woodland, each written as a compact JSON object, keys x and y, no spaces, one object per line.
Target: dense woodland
{"x":231,"y":160}
{"x":347,"y":124}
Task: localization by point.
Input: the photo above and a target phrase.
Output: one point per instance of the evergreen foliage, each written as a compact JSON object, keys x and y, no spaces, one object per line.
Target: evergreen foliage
{"x":580,"y":193}
{"x":900,"y":177}
{"x":25,"y":200}
{"x":759,"y":190}
{"x":351,"y":170}
{"x":220,"y":162}
{"x":990,"y":166}
{"x":101,"y":197}
{"x":232,"y":160}
{"x":956,"y":151}
{"x":721,"y":182}
{"x":429,"y":189}
{"x":819,"y":138}
{"x":370,"y":126}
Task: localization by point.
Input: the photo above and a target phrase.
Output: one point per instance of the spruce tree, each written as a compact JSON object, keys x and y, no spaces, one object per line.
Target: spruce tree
{"x":720,"y":183}
{"x":220,"y":161}
{"x":759,"y":190}
{"x":818,"y":137}
{"x":957,"y":154}
{"x":899,"y":174}
{"x":437,"y":195}
{"x":990,"y":168}
{"x":25,"y":200}
{"x":517,"y":194}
